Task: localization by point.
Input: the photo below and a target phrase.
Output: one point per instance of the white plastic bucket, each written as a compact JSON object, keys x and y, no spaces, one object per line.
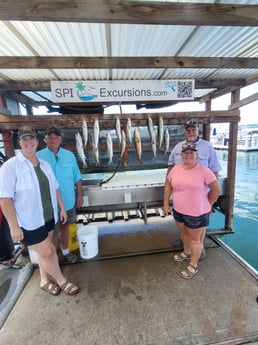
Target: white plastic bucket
{"x":33,"y":256}
{"x":88,"y":241}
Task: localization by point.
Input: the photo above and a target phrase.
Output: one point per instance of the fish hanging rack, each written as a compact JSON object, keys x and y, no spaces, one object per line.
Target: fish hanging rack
{"x":72,"y":123}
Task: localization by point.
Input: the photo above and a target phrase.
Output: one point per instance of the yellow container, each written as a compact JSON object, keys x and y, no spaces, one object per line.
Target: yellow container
{"x":73,"y":243}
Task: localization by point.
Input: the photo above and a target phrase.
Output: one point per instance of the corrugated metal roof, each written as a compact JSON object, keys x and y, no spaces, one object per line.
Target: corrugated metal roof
{"x":46,"y":39}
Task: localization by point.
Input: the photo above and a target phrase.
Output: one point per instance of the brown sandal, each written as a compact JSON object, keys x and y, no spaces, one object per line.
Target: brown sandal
{"x":181,"y":257}
{"x":52,"y":288}
{"x":70,"y":288}
{"x":187,"y":274}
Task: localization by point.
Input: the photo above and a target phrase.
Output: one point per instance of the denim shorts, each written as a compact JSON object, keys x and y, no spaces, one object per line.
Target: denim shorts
{"x":192,"y":222}
{"x":38,"y":235}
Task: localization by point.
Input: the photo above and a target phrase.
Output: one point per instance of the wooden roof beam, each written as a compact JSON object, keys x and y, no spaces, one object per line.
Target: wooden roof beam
{"x":79,"y":62}
{"x":245,"y":101}
{"x":130,"y":12}
{"x":217,"y":93}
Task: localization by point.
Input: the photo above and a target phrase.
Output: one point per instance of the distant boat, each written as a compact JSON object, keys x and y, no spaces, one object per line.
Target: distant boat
{"x":247,"y":138}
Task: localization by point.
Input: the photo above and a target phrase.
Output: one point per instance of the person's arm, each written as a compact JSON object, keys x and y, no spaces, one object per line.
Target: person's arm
{"x":169,"y":169}
{"x":10,"y":215}
{"x":214,"y":192}
{"x":167,"y":194}
{"x":175,"y":156}
{"x":216,"y":173}
{"x":213,"y":162}
{"x":63,"y":214}
{"x":78,"y":183}
{"x":79,"y":194}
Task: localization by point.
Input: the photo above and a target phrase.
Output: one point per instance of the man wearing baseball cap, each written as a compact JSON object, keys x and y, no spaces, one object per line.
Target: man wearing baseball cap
{"x":65,"y":167}
{"x":206,"y":153}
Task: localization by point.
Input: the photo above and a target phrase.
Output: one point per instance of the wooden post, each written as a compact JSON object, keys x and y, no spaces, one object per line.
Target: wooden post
{"x":231,"y":167}
{"x":7,"y":137}
{"x":207,"y":127}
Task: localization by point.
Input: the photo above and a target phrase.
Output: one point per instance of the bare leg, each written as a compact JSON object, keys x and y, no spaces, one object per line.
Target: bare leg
{"x":48,"y":261}
{"x":203,"y":237}
{"x":64,"y":238}
{"x":56,"y":240}
{"x":194,"y":236}
{"x":184,"y":237}
{"x":186,"y":253}
{"x":64,"y":234}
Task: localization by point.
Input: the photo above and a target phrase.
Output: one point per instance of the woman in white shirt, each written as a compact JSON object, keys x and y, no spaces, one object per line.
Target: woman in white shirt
{"x":29,"y":197}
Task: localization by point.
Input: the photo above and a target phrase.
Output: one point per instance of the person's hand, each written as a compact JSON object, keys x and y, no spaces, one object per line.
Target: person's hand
{"x":79,"y":201}
{"x":16,"y":234}
{"x":63,"y":216}
{"x":166,"y":210}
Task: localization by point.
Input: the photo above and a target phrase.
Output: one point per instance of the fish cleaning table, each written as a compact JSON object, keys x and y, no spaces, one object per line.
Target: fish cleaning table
{"x":125,"y":190}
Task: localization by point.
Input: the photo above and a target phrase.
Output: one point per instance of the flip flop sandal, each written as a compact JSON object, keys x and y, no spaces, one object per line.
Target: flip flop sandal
{"x":69,"y":288}
{"x":181,"y":257}
{"x":52,"y":288}
{"x":189,"y":274}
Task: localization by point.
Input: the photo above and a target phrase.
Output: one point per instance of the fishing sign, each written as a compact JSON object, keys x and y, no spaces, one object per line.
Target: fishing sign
{"x":121,"y":90}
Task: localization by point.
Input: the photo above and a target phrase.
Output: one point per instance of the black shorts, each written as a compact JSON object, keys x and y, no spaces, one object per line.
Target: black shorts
{"x":192,"y":222}
{"x":38,"y":235}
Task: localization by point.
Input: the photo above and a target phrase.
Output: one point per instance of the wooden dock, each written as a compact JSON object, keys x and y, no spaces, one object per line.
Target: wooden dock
{"x":140,"y":299}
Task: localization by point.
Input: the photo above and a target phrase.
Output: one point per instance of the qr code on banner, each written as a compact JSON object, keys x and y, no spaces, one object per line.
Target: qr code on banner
{"x":185,"y":89}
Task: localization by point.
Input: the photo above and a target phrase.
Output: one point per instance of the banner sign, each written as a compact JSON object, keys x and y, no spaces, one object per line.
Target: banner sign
{"x":121,"y":90}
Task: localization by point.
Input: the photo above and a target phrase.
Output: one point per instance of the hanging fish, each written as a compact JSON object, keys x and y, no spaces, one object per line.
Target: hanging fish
{"x":118,"y":130}
{"x":95,"y":150}
{"x":85,"y":132}
{"x":123,"y":142}
{"x":166,"y":140}
{"x":96,"y":133}
{"x":110,"y":148}
{"x":129,"y":130}
{"x":152,"y":137}
{"x":79,"y":148}
{"x":150,"y":127}
{"x":154,"y":146}
{"x":160,"y":132}
{"x":138,"y":145}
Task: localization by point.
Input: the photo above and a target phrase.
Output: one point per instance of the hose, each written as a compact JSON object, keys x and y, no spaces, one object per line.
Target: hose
{"x":114,"y":172}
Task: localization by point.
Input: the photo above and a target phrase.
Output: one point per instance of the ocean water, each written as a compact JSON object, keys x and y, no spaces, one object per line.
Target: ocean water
{"x":244,"y":240}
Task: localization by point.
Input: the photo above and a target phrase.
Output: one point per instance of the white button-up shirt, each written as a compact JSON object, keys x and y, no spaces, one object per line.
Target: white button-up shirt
{"x":18,"y":181}
{"x":206,"y":155}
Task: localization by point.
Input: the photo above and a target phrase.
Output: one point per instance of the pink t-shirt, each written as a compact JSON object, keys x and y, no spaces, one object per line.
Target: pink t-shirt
{"x":190,"y":189}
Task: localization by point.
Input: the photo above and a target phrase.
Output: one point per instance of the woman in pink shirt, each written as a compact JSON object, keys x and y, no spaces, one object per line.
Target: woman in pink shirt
{"x":194,"y":190}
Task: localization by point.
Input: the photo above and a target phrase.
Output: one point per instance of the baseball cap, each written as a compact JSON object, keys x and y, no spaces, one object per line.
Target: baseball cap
{"x":26,"y":130}
{"x":53,"y":129}
{"x":186,"y":147}
{"x":192,"y":123}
